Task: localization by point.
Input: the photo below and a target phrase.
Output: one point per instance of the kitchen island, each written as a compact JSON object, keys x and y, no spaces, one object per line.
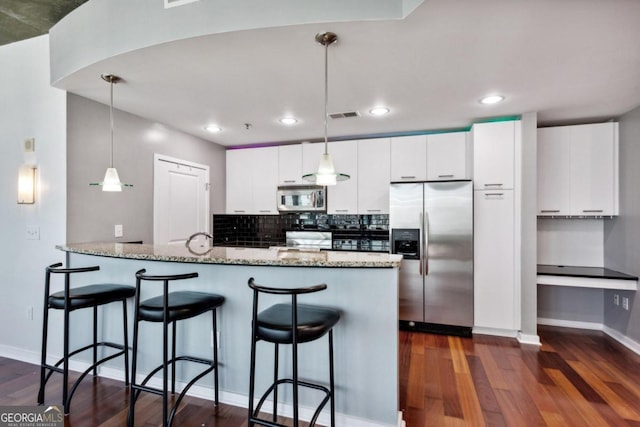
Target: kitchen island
{"x":363,"y":286}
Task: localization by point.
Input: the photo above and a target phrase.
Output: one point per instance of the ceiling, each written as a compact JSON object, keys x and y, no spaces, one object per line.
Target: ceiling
{"x":23,"y":19}
{"x":571,"y":61}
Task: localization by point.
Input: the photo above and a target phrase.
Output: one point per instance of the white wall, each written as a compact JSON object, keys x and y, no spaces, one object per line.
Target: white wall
{"x":30,"y":107}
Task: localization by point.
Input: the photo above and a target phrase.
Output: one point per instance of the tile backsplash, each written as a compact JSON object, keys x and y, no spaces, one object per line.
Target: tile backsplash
{"x":350,"y":232}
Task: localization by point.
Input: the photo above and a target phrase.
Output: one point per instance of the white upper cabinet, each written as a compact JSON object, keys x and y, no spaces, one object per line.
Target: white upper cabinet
{"x":342,"y":198}
{"x":494,"y":155}
{"x":264,"y":176}
{"x":409,"y":158}
{"x":290,"y":164}
{"x":311,"y":157}
{"x":554,"y":173}
{"x":578,"y":170}
{"x":239,"y":188}
{"x":447,"y":156}
{"x":594,"y":169}
{"x":252,"y":181}
{"x":374,"y":172}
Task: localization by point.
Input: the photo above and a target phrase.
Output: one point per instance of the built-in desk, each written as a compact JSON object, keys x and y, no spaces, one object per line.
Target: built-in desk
{"x":585,"y":277}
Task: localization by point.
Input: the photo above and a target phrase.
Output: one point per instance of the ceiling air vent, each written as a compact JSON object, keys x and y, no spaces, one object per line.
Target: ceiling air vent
{"x":174,"y":3}
{"x":344,"y":115}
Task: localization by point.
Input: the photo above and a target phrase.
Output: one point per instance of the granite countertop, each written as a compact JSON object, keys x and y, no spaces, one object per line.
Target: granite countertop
{"x":591,"y":272}
{"x":275,"y":256}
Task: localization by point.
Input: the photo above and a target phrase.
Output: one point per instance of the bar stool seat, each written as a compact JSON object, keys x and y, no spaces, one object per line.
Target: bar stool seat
{"x":182,"y":305}
{"x":168,"y":308}
{"x":68,"y":300}
{"x":91,"y":295}
{"x":293,"y":324}
{"x":274,"y":323}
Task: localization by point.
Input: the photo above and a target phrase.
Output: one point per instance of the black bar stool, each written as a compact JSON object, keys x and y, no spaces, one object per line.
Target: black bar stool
{"x":290,"y":323}
{"x":71,"y":299}
{"x":168,"y":308}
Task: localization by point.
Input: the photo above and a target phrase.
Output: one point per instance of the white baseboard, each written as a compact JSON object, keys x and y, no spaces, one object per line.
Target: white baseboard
{"x":228,"y":398}
{"x":508,"y":333}
{"x":529,"y":339}
{"x":618,"y":336}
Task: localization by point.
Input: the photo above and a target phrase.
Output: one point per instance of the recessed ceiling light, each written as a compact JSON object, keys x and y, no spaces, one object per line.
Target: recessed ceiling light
{"x":288,"y":121}
{"x":492,"y":99}
{"x":379,"y":111}
{"x":213,"y":128}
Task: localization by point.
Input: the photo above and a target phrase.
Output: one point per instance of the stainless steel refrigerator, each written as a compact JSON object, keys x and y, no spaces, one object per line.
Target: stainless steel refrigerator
{"x":432,"y":227}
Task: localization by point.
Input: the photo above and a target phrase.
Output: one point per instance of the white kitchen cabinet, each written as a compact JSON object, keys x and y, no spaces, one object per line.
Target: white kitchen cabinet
{"x":594,"y":169}
{"x":447,"y":156}
{"x":553,"y":171}
{"x":342,"y":198}
{"x":252,"y":181}
{"x":311,"y":153}
{"x":374,"y":172}
{"x":409,"y":158}
{"x":290,"y":164}
{"x":578,"y":170}
{"x":495,"y":281}
{"x":239,"y":186}
{"x":264,"y":176}
{"x":494,"y":154}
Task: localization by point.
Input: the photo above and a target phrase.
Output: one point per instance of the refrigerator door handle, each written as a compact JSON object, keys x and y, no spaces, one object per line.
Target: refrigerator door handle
{"x":426,"y":243}
{"x":420,"y":249}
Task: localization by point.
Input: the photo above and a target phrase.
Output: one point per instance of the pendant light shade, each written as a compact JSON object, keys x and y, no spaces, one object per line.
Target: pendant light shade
{"x":326,"y":174}
{"x":111,"y":180}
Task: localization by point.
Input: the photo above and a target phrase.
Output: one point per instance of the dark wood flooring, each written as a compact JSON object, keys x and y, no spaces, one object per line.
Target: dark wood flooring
{"x":577,"y":378}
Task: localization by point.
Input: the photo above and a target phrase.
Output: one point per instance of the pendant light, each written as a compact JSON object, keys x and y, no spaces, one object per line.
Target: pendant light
{"x":326,"y":174}
{"x":111,"y":180}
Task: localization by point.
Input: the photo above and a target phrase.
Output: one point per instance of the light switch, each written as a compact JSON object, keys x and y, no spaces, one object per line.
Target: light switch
{"x":118,"y":231}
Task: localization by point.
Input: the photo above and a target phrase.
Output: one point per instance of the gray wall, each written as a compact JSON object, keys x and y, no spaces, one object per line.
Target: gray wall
{"x":622,"y":234}
{"x":92,"y":213}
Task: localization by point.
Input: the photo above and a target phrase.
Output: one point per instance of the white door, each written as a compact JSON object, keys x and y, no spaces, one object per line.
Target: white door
{"x":180,"y":200}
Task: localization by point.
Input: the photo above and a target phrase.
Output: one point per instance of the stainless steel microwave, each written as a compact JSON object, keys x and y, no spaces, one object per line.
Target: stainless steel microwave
{"x":301,"y":198}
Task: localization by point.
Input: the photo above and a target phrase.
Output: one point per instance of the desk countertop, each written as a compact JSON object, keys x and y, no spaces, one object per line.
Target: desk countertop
{"x":591,"y":272}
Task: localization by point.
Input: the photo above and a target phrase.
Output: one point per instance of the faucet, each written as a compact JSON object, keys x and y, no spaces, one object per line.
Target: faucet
{"x":199,"y":233}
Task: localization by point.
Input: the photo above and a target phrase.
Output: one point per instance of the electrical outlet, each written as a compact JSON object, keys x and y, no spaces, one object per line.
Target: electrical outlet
{"x":33,"y":232}
{"x":118,"y":230}
{"x":616,"y":299}
{"x":625,"y":303}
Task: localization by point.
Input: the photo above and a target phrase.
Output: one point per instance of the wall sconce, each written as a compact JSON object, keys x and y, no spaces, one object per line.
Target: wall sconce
{"x":27,"y":185}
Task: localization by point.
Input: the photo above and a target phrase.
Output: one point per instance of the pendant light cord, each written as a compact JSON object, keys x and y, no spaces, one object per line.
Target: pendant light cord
{"x":326,"y":94}
{"x":111,"y":120}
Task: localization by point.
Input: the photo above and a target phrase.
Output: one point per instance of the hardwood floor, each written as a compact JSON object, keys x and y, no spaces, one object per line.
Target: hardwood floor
{"x":577,"y":378}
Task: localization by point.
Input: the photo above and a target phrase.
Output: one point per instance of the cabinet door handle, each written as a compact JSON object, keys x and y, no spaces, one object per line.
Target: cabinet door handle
{"x":264,"y":211}
{"x":408,"y":177}
{"x":445,"y":176}
{"x":493,"y":185}
{"x":238,"y":211}
{"x":289,"y":181}
{"x":342,"y":210}
{"x":374,"y":210}
{"x":591,"y":210}
{"x":550,"y":211}
{"x":493,"y":194}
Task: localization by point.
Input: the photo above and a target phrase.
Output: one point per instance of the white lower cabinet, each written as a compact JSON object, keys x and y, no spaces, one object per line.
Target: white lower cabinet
{"x":252,"y":181}
{"x":494,"y":261}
